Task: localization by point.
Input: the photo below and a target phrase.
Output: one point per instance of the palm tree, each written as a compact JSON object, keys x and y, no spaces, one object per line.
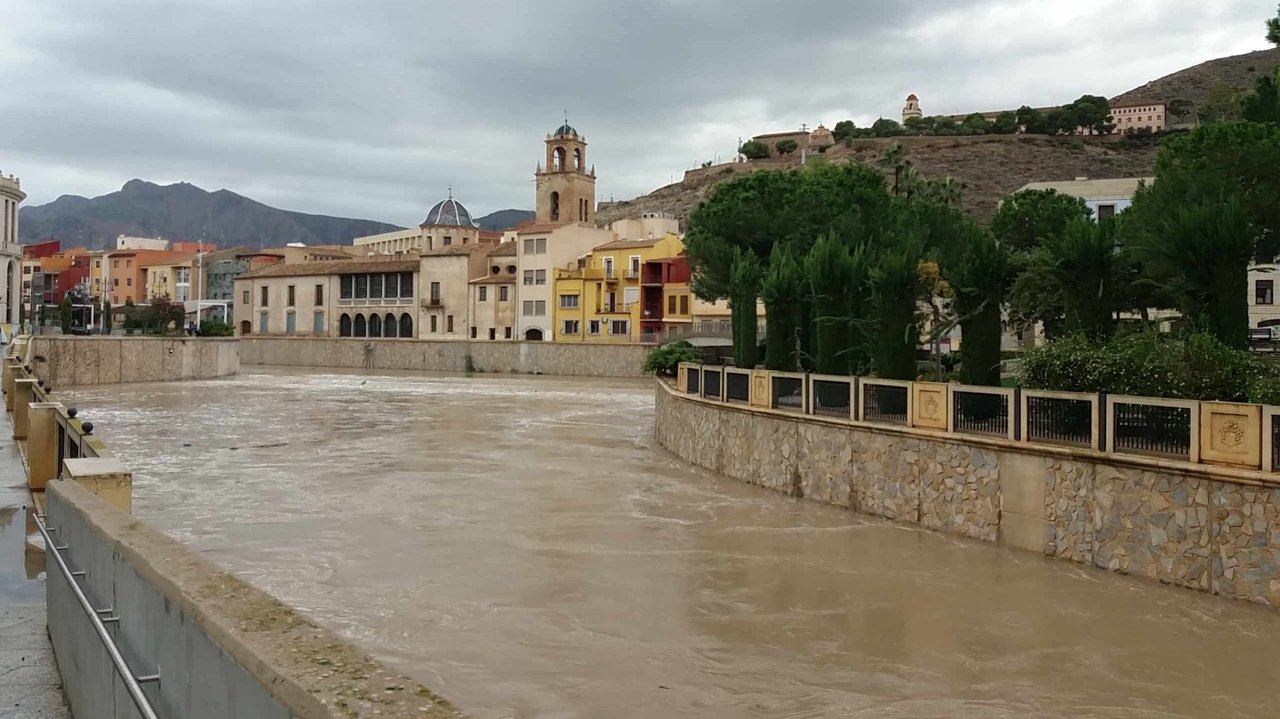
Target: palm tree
{"x":895,"y":158}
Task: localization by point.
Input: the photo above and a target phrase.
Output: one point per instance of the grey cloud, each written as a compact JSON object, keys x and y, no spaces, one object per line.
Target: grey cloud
{"x":372,"y":109}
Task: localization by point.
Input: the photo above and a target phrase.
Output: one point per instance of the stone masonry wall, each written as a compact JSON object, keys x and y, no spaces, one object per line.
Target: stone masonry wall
{"x":80,"y":361}
{"x":583,"y":360}
{"x":1192,"y":526}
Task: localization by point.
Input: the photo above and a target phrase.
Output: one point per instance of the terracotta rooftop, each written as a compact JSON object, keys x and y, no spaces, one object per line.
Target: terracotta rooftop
{"x":628,"y":244}
{"x":506,"y":249}
{"x":332,"y":267}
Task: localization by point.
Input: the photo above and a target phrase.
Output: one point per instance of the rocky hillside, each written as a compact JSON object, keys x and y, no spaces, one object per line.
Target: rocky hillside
{"x":993,"y":166}
{"x":988,"y":168}
{"x":503,"y":220}
{"x":183,"y":212}
{"x":1237,"y":72}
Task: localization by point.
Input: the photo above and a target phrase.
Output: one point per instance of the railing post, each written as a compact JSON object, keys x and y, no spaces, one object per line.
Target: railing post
{"x":105,"y":477}
{"x":11,"y":366}
{"x":23,"y":395}
{"x":1104,"y":424}
{"x":42,"y":443}
{"x":1015,"y":421}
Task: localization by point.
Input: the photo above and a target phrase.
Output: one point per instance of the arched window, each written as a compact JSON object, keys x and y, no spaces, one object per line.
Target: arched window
{"x":359,"y":329}
{"x":406,"y":325}
{"x":577,"y":160}
{"x":246,"y":327}
{"x":375,"y":326}
{"x":557,"y":159}
{"x":533,"y":334}
{"x":344,"y":325}
{"x":555,"y":206}
{"x":389,"y":325}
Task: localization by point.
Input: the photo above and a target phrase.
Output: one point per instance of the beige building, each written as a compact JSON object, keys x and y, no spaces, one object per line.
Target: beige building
{"x":493,"y":297}
{"x":1105,"y":198}
{"x":125,"y":242}
{"x":293,"y":253}
{"x":447,"y":224}
{"x":1139,"y":116}
{"x":649,"y":226}
{"x":445,"y":276}
{"x":11,"y":270}
{"x":336,"y":298}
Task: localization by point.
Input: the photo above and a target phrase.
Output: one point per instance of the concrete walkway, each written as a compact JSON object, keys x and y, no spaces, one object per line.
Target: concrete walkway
{"x":29,"y":683}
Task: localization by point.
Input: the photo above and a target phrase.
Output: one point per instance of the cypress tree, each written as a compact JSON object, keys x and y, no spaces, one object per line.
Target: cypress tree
{"x":895,"y":288}
{"x":744,"y":290}
{"x":106,"y":316}
{"x":64,"y":315}
{"x":978,"y":278}
{"x":837,"y":282}
{"x":781,"y":290}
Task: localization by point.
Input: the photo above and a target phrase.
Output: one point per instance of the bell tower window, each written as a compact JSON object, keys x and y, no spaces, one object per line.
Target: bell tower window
{"x":557,"y":160}
{"x":577,"y":160}
{"x":555,"y":206}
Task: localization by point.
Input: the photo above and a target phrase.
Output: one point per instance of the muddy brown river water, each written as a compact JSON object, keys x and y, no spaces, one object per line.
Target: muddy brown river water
{"x":523,"y":546}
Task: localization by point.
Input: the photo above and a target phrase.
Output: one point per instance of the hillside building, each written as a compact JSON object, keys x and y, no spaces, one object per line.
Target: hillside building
{"x":1105,"y":198}
{"x":126,"y":242}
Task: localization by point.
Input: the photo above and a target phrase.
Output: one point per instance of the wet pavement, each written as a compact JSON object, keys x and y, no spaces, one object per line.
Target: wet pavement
{"x":29,"y":683}
{"x":521,"y":545}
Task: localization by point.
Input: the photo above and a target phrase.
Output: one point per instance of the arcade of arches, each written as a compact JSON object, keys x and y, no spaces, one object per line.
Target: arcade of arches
{"x":375,"y":325}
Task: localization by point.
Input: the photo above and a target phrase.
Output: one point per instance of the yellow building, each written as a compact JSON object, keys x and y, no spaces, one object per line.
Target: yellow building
{"x":599,"y":299}
{"x":169,"y":278}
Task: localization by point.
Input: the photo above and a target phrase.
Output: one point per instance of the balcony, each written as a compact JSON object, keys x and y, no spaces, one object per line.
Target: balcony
{"x":433,"y":302}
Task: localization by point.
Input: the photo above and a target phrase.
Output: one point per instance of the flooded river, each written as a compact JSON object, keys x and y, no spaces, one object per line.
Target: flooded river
{"x":521,"y":545}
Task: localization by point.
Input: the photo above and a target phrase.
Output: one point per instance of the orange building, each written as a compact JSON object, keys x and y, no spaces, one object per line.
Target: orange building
{"x":191,"y":248}
{"x":125,"y":273}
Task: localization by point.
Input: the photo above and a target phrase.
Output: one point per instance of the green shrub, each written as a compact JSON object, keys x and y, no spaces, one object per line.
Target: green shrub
{"x":216,"y":328}
{"x":1150,"y":364}
{"x":665,"y":360}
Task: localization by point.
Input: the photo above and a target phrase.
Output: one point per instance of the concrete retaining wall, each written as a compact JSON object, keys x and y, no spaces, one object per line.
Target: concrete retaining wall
{"x":222,"y":648}
{"x":584,"y":360}
{"x":1206,"y":528}
{"x":78,"y":361}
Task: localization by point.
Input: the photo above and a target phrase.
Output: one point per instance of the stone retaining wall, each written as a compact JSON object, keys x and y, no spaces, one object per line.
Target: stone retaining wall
{"x":64,"y":361}
{"x":553,"y":358}
{"x":221,"y":647}
{"x":1197,"y":526}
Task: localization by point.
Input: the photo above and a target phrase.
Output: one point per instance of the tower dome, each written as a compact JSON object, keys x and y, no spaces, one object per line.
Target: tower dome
{"x":449,"y":212}
{"x":565,"y":130}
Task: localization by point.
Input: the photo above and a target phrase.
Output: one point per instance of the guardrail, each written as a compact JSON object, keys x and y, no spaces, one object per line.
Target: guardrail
{"x":1243,"y":436}
{"x":55,"y":434}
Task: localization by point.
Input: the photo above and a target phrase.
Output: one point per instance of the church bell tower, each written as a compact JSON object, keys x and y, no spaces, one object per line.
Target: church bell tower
{"x":566,"y":188}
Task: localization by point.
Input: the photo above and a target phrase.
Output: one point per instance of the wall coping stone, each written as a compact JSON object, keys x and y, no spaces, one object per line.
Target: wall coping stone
{"x":1213,"y":472}
{"x":315,"y":674}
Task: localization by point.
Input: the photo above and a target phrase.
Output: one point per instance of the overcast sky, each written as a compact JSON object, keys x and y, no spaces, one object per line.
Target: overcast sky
{"x":374,"y":108}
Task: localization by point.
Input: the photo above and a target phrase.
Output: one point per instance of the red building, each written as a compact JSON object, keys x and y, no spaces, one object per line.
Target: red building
{"x":74,"y":277}
{"x":191,"y":248}
{"x":42,"y":249}
{"x":664,"y":294}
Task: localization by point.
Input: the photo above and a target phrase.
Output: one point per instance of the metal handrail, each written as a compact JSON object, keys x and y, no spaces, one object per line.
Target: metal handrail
{"x":132,"y":682}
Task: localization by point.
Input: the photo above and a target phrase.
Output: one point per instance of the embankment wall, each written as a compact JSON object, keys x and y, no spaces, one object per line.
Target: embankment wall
{"x":553,"y":358}
{"x":221,"y":647}
{"x":64,"y":361}
{"x":1206,"y":528}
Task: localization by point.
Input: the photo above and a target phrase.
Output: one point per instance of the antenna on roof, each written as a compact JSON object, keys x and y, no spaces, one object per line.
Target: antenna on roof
{"x":566,"y":116}
{"x":450,"y":192}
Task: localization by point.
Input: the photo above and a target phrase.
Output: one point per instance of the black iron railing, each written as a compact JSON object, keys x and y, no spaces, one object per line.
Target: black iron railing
{"x":1060,"y":420}
{"x":692,"y":383}
{"x":788,"y":393}
{"x":831,"y":398}
{"x":884,"y":403}
{"x":737,"y":387}
{"x":1151,"y":429}
{"x":711,"y":383}
{"x":980,"y":413}
{"x":1275,"y":442}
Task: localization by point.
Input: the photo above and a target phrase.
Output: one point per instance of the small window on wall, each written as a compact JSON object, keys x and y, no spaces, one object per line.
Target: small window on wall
{"x":671,"y":304}
{"x":244,"y":297}
{"x":1106,"y":212}
{"x":1264,"y":292}
{"x":684,"y":304}
{"x":504,"y":293}
{"x":406,"y":285}
{"x":570,"y":327}
{"x":345,"y":287}
{"x":506,"y":333}
{"x":493,"y":333}
{"x":473,"y":333}
{"x":593,"y":327}
{"x":434,"y":325}
{"x":482,"y":294}
{"x":319,"y":295}
{"x":264,"y":297}
{"x":448,"y":322}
